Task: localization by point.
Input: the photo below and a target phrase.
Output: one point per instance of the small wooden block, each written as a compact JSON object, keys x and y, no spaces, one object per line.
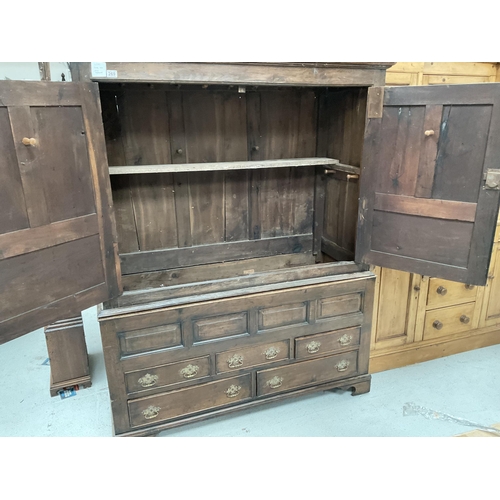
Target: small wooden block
{"x":69,"y":364}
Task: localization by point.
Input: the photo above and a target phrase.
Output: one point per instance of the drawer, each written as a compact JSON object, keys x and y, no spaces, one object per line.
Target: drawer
{"x":287,"y":314}
{"x":218,"y":327}
{"x":281,"y":314}
{"x":165,"y":375}
{"x":167,"y":406}
{"x":150,"y":339}
{"x":321,"y":344}
{"x":448,"y":320}
{"x":444,"y":292}
{"x":252,"y":356}
{"x":337,"y":306}
{"x":306,"y":373}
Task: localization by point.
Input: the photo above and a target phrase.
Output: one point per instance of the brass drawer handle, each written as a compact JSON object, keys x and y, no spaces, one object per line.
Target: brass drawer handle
{"x":342,"y":365}
{"x":151,"y":412}
{"x":441,"y":290}
{"x":275,"y":382}
{"x":148,"y":380}
{"x":437,"y":325}
{"x":190,"y":371}
{"x":313,"y":347}
{"x":235,"y":361}
{"x":271,"y":353}
{"x":464,"y":319}
{"x":469,"y":287}
{"x":232,"y":391}
{"x":345,"y":339}
{"x":29,"y":141}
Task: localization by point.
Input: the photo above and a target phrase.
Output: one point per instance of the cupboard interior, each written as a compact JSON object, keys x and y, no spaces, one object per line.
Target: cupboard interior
{"x":181,"y":228}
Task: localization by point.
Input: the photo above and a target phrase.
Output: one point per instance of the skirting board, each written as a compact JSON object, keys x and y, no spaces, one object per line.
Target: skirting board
{"x":419,"y":352}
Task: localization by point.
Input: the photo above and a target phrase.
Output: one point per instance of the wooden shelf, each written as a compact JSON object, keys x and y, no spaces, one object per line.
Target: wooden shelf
{"x":229,"y":165}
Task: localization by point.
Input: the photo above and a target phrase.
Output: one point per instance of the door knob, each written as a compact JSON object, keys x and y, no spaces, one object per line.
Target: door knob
{"x":29,"y":141}
{"x":464,"y":319}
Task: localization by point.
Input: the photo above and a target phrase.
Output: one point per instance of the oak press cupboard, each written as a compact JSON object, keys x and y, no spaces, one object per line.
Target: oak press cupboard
{"x":206,"y":207}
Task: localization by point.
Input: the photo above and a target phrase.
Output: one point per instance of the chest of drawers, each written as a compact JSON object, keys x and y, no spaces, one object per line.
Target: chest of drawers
{"x":172,"y":364}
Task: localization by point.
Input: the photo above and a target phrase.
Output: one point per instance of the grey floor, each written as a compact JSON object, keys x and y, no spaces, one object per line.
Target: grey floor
{"x":464,"y":386}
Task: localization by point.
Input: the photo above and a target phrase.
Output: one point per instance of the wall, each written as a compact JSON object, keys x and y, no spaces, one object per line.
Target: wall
{"x":30,"y":71}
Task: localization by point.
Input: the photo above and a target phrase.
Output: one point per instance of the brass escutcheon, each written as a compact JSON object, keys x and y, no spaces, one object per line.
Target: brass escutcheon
{"x":148,"y":380}
{"x":342,"y":365}
{"x":345,"y":339}
{"x":271,"y":353}
{"x":275,"y":382}
{"x":313,"y":347}
{"x":151,"y":412}
{"x":235,"y":361}
{"x":233,"y":391}
{"x":190,"y":371}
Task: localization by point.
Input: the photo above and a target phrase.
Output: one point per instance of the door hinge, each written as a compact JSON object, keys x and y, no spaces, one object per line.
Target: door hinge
{"x":492,"y":179}
{"x":375,"y":106}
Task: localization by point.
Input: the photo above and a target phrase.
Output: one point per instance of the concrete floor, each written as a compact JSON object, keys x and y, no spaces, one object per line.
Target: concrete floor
{"x":465,"y":386}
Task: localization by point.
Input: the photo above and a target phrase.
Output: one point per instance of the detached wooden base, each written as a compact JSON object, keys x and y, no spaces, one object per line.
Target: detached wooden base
{"x":82,"y":383}
{"x":69,"y":363}
{"x":358,"y":384}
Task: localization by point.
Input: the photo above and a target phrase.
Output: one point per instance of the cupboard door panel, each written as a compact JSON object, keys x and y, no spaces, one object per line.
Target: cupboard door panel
{"x":57,"y":237}
{"x":425,"y":204}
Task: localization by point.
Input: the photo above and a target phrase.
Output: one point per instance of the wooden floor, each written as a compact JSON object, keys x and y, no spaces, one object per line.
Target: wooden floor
{"x":481,"y":433}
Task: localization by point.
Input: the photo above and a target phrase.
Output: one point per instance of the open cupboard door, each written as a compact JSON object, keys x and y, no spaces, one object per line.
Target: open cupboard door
{"x":58,"y":252}
{"x":430,"y":180}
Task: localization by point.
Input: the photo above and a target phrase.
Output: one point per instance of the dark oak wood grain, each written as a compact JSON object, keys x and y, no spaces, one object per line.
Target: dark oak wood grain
{"x":67,"y":350}
{"x":303,"y":74}
{"x":13,"y":210}
{"x":438,"y":209}
{"x":439,"y":222}
{"x":62,"y":258}
{"x":219,"y":252}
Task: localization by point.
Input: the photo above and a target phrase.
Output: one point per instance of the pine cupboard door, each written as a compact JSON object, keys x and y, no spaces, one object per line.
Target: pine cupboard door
{"x":429,"y":194}
{"x":58,"y":251}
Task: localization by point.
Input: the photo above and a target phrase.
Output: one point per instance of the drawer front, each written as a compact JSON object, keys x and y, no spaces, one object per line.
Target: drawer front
{"x":158,"y":408}
{"x":324,"y":343}
{"x":288,"y":314}
{"x":447,"y":321}
{"x":306,"y":373}
{"x":227,"y":325}
{"x":150,"y":339}
{"x":166,"y":375}
{"x":444,"y":292}
{"x":261,"y":354}
{"x":336,"y":306}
